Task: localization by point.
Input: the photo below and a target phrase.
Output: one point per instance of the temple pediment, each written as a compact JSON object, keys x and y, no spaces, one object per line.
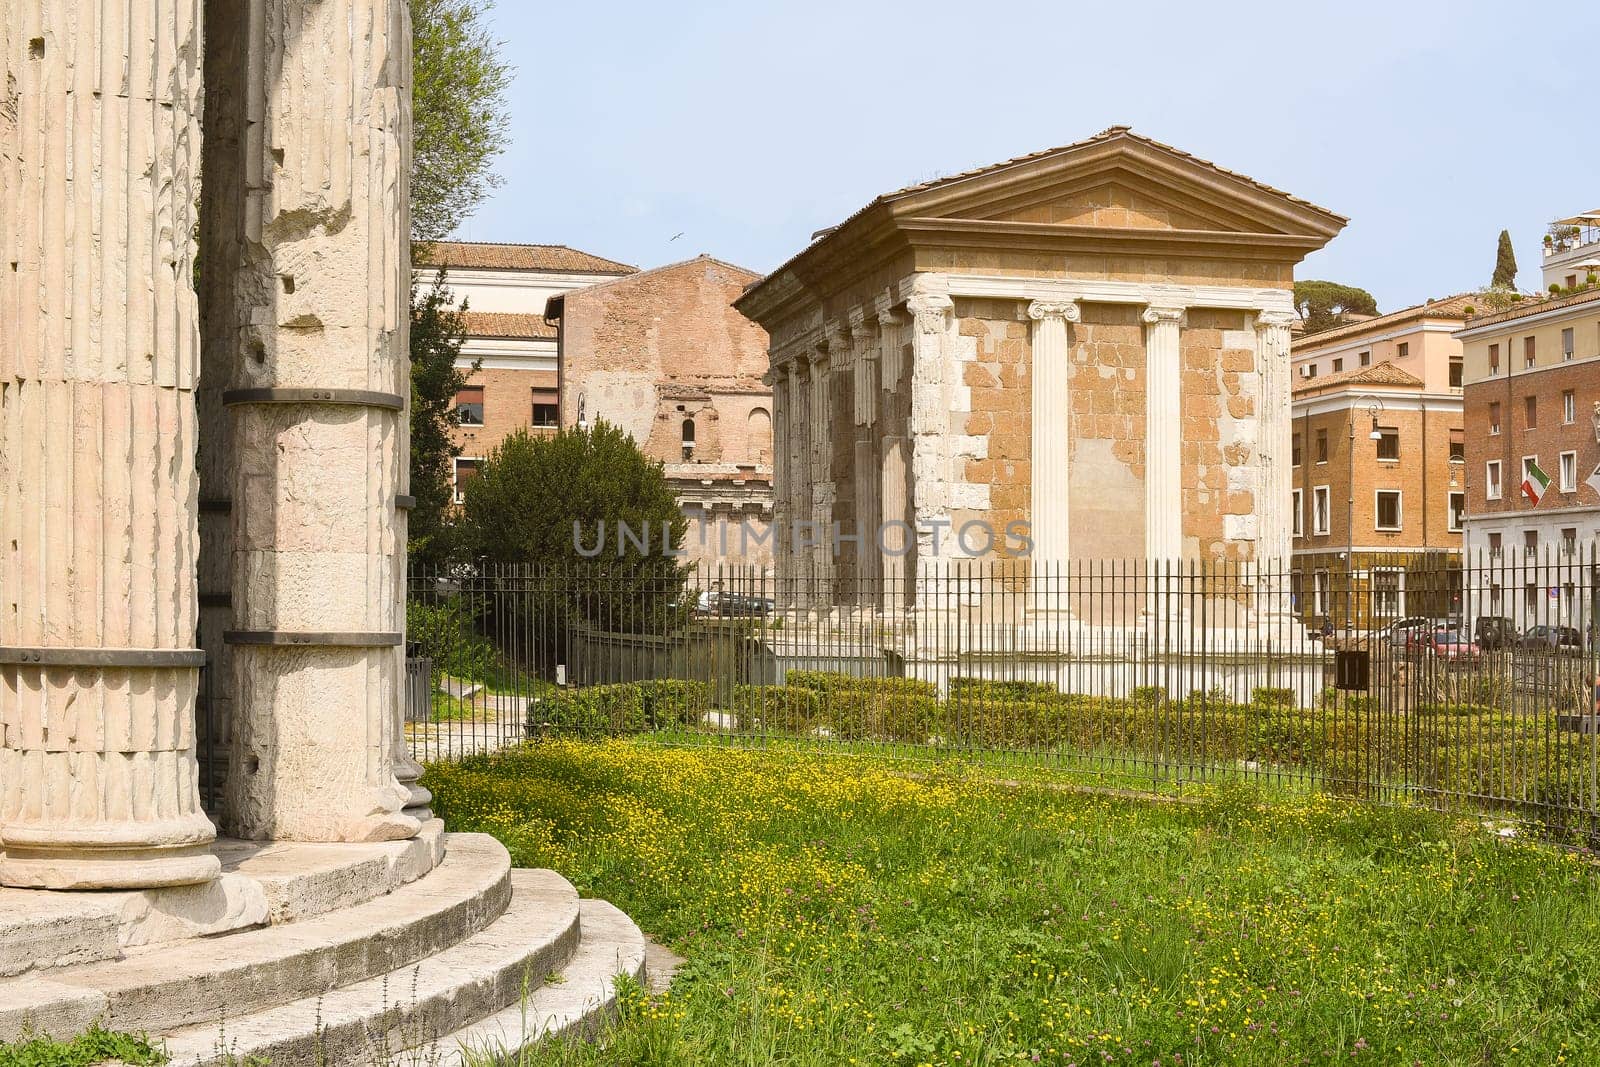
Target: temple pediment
{"x":1116,"y":180}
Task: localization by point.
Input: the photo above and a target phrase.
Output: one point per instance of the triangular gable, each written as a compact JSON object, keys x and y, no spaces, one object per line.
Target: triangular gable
{"x":1117,"y":179}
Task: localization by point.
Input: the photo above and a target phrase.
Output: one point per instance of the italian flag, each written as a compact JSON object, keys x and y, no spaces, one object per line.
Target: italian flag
{"x":1534,"y":483}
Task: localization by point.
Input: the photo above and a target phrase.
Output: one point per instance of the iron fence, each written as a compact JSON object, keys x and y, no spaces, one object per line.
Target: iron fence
{"x":1467,"y":684}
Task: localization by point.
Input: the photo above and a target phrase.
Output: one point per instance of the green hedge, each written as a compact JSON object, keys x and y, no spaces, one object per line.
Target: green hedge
{"x":622,"y":708}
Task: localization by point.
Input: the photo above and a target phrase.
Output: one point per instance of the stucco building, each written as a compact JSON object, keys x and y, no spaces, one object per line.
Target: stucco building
{"x":1532,"y":400}
{"x":1379,"y":482}
{"x":664,"y":355}
{"x":504,"y":288}
{"x":1092,"y":341}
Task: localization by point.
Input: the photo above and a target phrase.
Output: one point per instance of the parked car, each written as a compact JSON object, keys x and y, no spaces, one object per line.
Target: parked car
{"x":1448,"y":645}
{"x":733,"y":605}
{"x":1551,"y":639}
{"x":1400,"y":632}
{"x":1494,"y":631}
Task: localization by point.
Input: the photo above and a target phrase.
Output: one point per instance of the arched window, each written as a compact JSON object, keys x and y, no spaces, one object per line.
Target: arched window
{"x":760,"y":435}
{"x":688,"y":437}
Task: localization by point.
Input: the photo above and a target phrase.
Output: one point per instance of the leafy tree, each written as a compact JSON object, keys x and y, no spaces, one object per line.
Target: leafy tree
{"x":460,"y":118}
{"x":1505,"y":264}
{"x":436,"y":338}
{"x":550,"y":500}
{"x":1322,"y":305}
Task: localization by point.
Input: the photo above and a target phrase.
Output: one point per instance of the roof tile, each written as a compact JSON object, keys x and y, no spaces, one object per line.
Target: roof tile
{"x":472,"y":255}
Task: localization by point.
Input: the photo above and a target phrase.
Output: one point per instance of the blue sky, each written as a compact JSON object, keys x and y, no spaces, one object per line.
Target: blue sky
{"x":746,"y":126}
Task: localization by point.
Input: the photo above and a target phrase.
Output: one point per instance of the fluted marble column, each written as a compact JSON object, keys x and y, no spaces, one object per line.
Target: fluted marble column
{"x":894,"y":531}
{"x":319,"y":397}
{"x":1049,"y":513}
{"x":821,"y":443}
{"x":868,"y":459}
{"x":1163,"y":442}
{"x":99,"y":352}
{"x":1274,"y":544}
{"x":799,"y":479}
{"x":778,"y":376}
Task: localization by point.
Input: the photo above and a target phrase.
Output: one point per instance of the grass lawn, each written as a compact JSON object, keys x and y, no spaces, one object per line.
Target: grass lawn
{"x":836,"y":909}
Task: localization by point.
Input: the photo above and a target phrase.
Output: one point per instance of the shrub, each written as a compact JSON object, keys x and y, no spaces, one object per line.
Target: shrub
{"x":884,"y":709}
{"x":675,"y":702}
{"x":623,"y":708}
{"x":443,"y":632}
{"x":1148,"y":695}
{"x":998,"y":689}
{"x":1264,"y":696}
{"x":790,"y":709}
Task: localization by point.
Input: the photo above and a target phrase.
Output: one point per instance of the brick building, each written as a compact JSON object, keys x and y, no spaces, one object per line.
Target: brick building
{"x":1091,"y":340}
{"x":1533,"y":399}
{"x":504,"y":288}
{"x":664,"y":355}
{"x":1379,"y":484}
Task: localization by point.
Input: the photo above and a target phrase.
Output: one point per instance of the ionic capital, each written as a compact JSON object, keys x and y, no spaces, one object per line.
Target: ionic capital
{"x":1157,"y":314}
{"x":1067,"y":310}
{"x":930,"y":311}
{"x":1274,"y":320}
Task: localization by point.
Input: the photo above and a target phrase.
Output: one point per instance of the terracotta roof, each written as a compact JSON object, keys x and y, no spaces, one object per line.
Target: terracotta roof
{"x":1111,"y":133}
{"x":472,"y":255}
{"x":500,"y":324}
{"x":1533,"y":307}
{"x":1451,"y":307}
{"x":1384,"y":373}
{"x":1104,"y":135}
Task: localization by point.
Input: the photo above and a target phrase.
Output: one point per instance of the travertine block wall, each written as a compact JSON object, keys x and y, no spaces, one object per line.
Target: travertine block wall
{"x":99,"y":357}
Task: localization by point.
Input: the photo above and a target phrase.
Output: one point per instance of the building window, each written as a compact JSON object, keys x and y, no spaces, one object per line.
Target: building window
{"x":1494,"y":418}
{"x":1387,"y":503}
{"x":469,"y":405}
{"x":1319,"y":593}
{"x":1494,"y":359}
{"x":1530,"y":598}
{"x":1455,"y":374}
{"x":1530,"y":349}
{"x":1530,"y":540}
{"x":1311,"y":370}
{"x":1296,"y":521}
{"x":1297,"y":590}
{"x":1388,"y":443}
{"x":1321,"y":509}
{"x":1458,"y":511}
{"x":1491,"y":479}
{"x":1294,"y":451}
{"x":1528,"y":464}
{"x":466,"y":470}
{"x":688,"y":438}
{"x":1388,"y":593}
{"x":1569,"y":472}
{"x":1338,"y":365}
{"x":1495,"y":599}
{"x":1494,"y":546}
{"x":1569,"y":539}
{"x":1403,"y":349}
{"x":1458,"y":445}
{"x":1322,"y":446}
{"x":1566,"y":343}
{"x":1530,"y":411}
{"x":1366,"y":359}
{"x":546,"y":413}
{"x":1569,"y":408}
